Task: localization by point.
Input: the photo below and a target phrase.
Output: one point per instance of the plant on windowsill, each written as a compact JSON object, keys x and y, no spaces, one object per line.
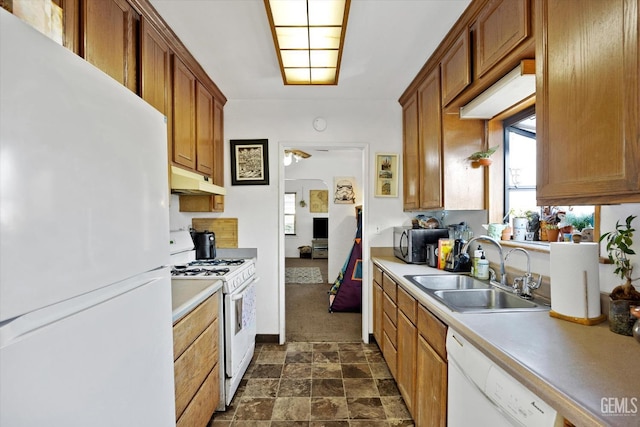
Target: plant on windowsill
{"x":622,"y":297}
{"x":482,"y":158}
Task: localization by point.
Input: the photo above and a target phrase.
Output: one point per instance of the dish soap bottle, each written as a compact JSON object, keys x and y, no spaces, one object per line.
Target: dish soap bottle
{"x":477,"y":254}
{"x":483,"y":268}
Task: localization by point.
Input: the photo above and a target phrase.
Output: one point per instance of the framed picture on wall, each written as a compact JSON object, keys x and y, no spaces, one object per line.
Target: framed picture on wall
{"x":386,"y":175}
{"x":249,"y":162}
{"x":344,"y":189}
{"x":319,"y":201}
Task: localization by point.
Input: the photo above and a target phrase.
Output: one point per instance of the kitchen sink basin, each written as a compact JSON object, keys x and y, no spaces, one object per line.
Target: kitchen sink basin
{"x":447,"y":282}
{"x":465,"y":294}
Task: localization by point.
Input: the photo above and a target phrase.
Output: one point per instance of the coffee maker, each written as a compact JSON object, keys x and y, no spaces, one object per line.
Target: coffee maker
{"x":454,"y":262}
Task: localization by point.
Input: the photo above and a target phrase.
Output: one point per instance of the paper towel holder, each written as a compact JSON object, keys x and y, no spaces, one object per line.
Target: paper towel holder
{"x":586,"y":320}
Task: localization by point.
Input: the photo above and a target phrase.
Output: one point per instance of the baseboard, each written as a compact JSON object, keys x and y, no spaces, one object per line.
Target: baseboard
{"x":267,"y":338}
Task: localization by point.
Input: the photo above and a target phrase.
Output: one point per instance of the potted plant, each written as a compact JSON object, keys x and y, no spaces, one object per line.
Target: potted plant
{"x":622,"y":297}
{"x":549,"y":229}
{"x":482,"y":157}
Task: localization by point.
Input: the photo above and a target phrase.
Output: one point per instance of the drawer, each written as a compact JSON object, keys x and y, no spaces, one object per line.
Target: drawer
{"x":390,"y":356}
{"x":408,"y":305}
{"x":377,"y":275}
{"x":204,"y":403}
{"x":389,"y":286}
{"x":194,"y":365}
{"x":191,"y":326}
{"x":320,"y":253}
{"x":433,"y":331}
{"x":390,"y":330}
{"x":390,"y":308}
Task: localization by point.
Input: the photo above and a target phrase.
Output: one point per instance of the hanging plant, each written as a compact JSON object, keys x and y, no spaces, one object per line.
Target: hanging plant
{"x":483,"y":157}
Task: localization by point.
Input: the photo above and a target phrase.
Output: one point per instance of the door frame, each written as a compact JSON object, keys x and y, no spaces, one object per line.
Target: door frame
{"x":364,"y":179}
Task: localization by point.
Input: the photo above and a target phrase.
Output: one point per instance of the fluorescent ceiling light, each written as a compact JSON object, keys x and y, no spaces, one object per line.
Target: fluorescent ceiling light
{"x":308,"y":36}
{"x":513,"y":88}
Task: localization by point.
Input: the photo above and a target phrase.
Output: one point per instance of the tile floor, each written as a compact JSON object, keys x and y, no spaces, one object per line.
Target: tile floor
{"x":316,"y":384}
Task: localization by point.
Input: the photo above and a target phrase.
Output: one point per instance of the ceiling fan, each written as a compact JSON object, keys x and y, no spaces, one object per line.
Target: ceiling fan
{"x":290,"y":155}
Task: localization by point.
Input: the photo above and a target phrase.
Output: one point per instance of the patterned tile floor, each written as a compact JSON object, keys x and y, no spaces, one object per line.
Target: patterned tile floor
{"x":316,"y":384}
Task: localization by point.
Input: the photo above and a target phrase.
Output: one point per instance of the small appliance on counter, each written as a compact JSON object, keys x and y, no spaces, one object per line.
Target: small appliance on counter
{"x":412,"y":244}
{"x":455,"y":262}
{"x":205,"y":244}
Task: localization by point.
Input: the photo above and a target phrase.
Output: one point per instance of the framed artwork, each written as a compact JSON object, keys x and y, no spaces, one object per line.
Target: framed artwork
{"x":344,"y":189}
{"x":249,"y":162}
{"x":386,"y":175}
{"x":319,"y":201}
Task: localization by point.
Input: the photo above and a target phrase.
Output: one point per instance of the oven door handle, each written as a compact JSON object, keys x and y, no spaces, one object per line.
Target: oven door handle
{"x":239,"y":293}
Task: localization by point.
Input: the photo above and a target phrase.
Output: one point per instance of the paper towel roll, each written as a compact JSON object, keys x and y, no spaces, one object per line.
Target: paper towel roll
{"x":575,"y":283}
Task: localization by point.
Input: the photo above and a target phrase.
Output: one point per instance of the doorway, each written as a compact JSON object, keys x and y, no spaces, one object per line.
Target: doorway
{"x":297,"y":305}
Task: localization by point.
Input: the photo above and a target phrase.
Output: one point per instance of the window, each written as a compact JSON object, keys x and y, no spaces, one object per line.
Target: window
{"x":289,"y":213}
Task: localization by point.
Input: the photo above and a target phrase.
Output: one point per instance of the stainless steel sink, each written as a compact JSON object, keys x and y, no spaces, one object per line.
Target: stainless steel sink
{"x":466,"y":294}
{"x":447,"y":282}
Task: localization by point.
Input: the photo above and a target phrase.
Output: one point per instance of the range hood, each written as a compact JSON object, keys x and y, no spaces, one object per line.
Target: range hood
{"x":189,"y":183}
{"x":513,"y":88}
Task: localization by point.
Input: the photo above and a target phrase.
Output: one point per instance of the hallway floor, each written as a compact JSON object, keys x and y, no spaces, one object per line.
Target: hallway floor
{"x":316,"y":384}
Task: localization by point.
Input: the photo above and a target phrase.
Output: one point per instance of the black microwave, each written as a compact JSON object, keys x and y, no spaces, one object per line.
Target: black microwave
{"x":410,"y":244}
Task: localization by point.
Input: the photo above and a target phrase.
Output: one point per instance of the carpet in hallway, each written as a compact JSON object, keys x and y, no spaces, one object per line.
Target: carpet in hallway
{"x":302,"y":275}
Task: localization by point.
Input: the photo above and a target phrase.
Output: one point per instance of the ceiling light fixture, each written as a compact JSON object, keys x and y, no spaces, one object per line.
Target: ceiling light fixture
{"x":308,"y":36}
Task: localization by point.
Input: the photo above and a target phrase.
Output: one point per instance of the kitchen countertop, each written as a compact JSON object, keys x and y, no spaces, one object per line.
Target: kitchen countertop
{"x":188,"y":294}
{"x":581,"y":371}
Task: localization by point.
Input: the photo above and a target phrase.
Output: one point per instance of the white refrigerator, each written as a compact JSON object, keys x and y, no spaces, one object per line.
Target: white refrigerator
{"x":85,"y":298}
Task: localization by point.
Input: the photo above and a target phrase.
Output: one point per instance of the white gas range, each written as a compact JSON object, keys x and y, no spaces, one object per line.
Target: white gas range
{"x":239,"y":303}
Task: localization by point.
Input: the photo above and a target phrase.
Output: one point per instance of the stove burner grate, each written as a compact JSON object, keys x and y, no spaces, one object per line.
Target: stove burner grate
{"x":213,"y":262}
{"x":184,"y":271}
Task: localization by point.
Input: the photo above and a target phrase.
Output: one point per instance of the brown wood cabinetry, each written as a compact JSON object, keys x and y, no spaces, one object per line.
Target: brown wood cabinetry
{"x":197,"y":372}
{"x":389,"y":323}
{"x":502,"y":25}
{"x":411,"y":155}
{"x":184,"y":115}
{"x":456,"y":68}
{"x":407,"y":344}
{"x":204,"y":130}
{"x":110,"y":39}
{"x":155,"y":68}
{"x":588,"y":102}
{"x":377,"y":306}
{"x":431,"y":371}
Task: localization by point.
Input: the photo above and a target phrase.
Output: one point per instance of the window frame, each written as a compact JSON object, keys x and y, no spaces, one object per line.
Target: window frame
{"x":287,"y":214}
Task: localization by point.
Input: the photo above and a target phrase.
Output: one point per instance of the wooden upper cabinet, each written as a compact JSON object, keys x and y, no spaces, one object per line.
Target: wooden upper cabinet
{"x":501,"y":26}
{"x":204,"y":130}
{"x":184,"y":115}
{"x":410,"y":155}
{"x":456,"y":68}
{"x":110,"y":39}
{"x":587,"y":108}
{"x":155,"y":68}
{"x":430,"y":142}
{"x":218,"y":143}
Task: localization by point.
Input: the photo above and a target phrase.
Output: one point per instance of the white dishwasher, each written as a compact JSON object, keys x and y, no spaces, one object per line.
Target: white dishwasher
{"x":482,"y":394}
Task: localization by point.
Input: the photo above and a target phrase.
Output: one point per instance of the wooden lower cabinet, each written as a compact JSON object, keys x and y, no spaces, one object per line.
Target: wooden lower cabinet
{"x":196,"y":367}
{"x":431,"y":387}
{"x":406,"y":360}
{"x":377,"y":313}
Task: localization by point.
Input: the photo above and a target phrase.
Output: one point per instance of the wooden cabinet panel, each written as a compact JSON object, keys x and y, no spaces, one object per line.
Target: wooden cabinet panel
{"x":407,"y":341}
{"x":431,"y":387}
{"x":410,"y":155}
{"x":390,"y":329}
{"x":204,"y":130}
{"x":110,"y":39}
{"x":218,"y":145}
{"x":193,"y":367}
{"x":588,"y":102}
{"x":377,"y":313}
{"x":155,"y":77}
{"x":198,"y":412}
{"x":390,"y":355}
{"x":501,"y":26}
{"x":377,"y":275}
{"x":430,"y":137}
{"x":433,"y":330}
{"x":456,"y":68}
{"x":390,"y":287}
{"x":407,"y":305}
{"x":184,"y":115}
{"x":187,"y":329}
{"x":390,"y":308}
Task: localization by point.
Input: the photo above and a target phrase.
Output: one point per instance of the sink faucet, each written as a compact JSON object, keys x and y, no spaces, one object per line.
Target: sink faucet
{"x":503,"y":276}
{"x":527,"y":281}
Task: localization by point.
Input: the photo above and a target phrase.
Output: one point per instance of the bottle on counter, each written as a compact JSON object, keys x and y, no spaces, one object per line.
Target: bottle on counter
{"x":483,"y":268}
{"x":477,"y":254}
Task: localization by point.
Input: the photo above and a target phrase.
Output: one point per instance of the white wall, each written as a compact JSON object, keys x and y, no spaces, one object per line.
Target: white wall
{"x":304,"y":218}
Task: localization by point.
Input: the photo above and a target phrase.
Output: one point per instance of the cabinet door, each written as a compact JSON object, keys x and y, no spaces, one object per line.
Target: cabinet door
{"x":410,"y":155}
{"x":406,"y":360}
{"x":154,"y":68}
{"x":218,"y":143}
{"x":501,"y":26}
{"x":456,"y":68}
{"x":204,"y":130}
{"x":377,"y":313}
{"x":184,"y":115}
{"x":430,"y":137}
{"x":431,"y":387}
{"x":588,"y":102}
{"x":110,"y":39}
